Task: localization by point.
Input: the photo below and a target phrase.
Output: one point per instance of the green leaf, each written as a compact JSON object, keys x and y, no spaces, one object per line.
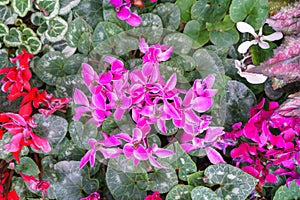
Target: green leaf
{"x":182,"y":43}
{"x":73,"y":64}
{"x":151,"y":28}
{"x":254,"y":11}
{"x":180,"y":161}
{"x":72,"y":181}
{"x":4,"y":30}
{"x":204,"y":193}
{"x":196,"y":179}
{"x":7,"y":15}
{"x":94,"y":15}
{"x":65,"y":85}
{"x":221,"y":26}
{"x":105,"y":30}
{"x":126,"y":181}
{"x":75,"y":30}
{"x":57,"y":28}
{"x":14,"y":38}
{"x":67,"y":5}
{"x":224,"y":38}
{"x":125,"y":44}
{"x":37,"y":18}
{"x":4,"y":63}
{"x":162,"y":180}
{"x":260,"y":55}
{"x":169,"y":14}
{"x":4,"y":154}
{"x":237,"y":102}
{"x":85,"y":43}
{"x":27,"y":166}
{"x":70,"y":151}
{"x":81,"y":133}
{"x":180,"y":192}
{"x":234,"y":183}
{"x":42,"y":29}
{"x":209,"y":10}
{"x":185,"y":9}
{"x":50,"y":67}
{"x":197,"y":32}
{"x":288,"y":193}
{"x":35,"y":45}
{"x":27,"y":33}
{"x":21,"y":7}
{"x":50,"y":6}
{"x":4,"y":2}
{"x":109,"y":124}
{"x":53,"y":128}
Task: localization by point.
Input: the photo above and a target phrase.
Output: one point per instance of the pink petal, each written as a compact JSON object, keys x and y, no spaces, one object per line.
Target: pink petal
{"x":140,"y":153}
{"x":163,"y":153}
{"x":79,"y":111}
{"x":116,"y":3}
{"x":213,"y":133}
{"x":271,"y":178}
{"x":143,"y":46}
{"x":243,"y":48}
{"x":147,"y":69}
{"x":87,"y":73}
{"x":161,"y":124}
{"x":124,"y":13}
{"x":187,"y":147}
{"x":243,"y":27}
{"x":171,"y":83}
{"x":85,"y":159}
{"x":189,"y":96}
{"x":99,"y":101}
{"x":137,"y":134}
{"x":209,"y":81}
{"x":105,"y":78}
{"x":202,"y":104}
{"x":165,"y":55}
{"x":263,"y":45}
{"x":214,"y":156}
{"x":119,"y":112}
{"x":42,"y":143}
{"x":110,"y":152}
{"x":110,"y":142}
{"x":80,"y":98}
{"x":185,"y":137}
{"x":154,"y":163}
{"x":128,"y":150}
{"x":134,"y":20}
{"x":126,"y":102}
{"x":124,"y":136}
{"x":251,"y":170}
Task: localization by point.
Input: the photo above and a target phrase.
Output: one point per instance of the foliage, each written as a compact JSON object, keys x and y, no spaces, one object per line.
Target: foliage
{"x":155,"y":93}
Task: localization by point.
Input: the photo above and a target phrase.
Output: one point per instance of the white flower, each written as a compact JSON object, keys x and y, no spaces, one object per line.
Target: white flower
{"x":250,"y":77}
{"x":259,"y":39}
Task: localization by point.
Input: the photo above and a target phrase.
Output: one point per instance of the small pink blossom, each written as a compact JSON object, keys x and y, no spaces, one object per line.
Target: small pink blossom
{"x":93,"y":196}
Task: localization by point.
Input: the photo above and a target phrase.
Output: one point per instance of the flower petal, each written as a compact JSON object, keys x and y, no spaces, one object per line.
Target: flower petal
{"x":124,"y":13}
{"x":243,"y":27}
{"x":243,"y":48}
{"x":80,"y":98}
{"x":134,"y":20}
{"x":273,"y":36}
{"x":214,"y":156}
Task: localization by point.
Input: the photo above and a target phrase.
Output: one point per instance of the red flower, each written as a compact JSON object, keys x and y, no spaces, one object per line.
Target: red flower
{"x":37,"y":185}
{"x":12,"y":195}
{"x":17,"y":78}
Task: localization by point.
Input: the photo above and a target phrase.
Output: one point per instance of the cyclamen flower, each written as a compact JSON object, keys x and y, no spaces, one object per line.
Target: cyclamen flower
{"x":154,"y":196}
{"x":104,"y":147}
{"x":36,"y":185}
{"x":93,"y":196}
{"x":122,"y":8}
{"x":259,"y":38}
{"x":17,"y":78}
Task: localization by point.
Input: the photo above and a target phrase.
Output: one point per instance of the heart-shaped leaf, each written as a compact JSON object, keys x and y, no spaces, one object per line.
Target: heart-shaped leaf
{"x":21,"y":7}
{"x":4,"y":2}
{"x":255,"y":12}
{"x":224,"y":38}
{"x":57,"y":28}
{"x":162,"y":180}
{"x":126,"y":181}
{"x":182,"y":43}
{"x":180,"y":192}
{"x":169,"y":14}
{"x":49,"y":6}
{"x":185,"y":9}
{"x":4,"y":30}
{"x":181,"y":161}
{"x":197,"y":32}
{"x":34,"y":44}
{"x":196,"y":179}
{"x":50,"y":67}
{"x":67,"y":5}
{"x":287,"y":193}
{"x":27,"y":166}
{"x":53,"y":128}
{"x":209,"y":10}
{"x":234,"y":183}
{"x":14,"y":38}
{"x":237,"y":102}
{"x":204,"y":193}
{"x":75,"y":30}
{"x":7,"y":15}
{"x":4,"y":154}
{"x":105,"y":30}
{"x":81,"y":133}
{"x":72,"y":181}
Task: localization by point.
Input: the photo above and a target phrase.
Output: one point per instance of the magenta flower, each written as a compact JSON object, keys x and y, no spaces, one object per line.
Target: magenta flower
{"x":154,"y":196}
{"x":122,"y":8}
{"x":134,"y":148}
{"x":93,"y":196}
{"x":156,"y":152}
{"x":104,"y":147}
{"x":35,"y":184}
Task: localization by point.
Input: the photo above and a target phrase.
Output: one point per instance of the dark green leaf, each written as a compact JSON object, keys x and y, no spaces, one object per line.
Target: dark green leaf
{"x":196,"y":179}
{"x":14,"y":38}
{"x":169,"y":14}
{"x":27,"y":166}
{"x":201,"y":192}
{"x":288,"y":193}
{"x":197,"y":32}
{"x":180,"y":192}
{"x":21,"y":7}
{"x":224,"y":38}
{"x":185,"y":9}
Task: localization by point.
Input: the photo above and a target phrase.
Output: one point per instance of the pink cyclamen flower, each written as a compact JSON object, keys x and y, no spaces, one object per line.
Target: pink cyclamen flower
{"x":259,"y":38}
{"x":93,"y":196}
{"x":154,"y":196}
{"x":35,"y":184}
{"x":104,"y":146}
{"x":122,"y":8}
{"x":156,"y":152}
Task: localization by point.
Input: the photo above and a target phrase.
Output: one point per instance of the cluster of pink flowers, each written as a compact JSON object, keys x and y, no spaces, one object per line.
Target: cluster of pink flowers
{"x":267,"y":140}
{"x":150,"y":100}
{"x":16,"y":82}
{"x":123,"y":12}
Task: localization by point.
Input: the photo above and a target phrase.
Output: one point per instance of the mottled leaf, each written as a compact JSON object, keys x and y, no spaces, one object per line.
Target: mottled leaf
{"x":67,"y":5}
{"x":288,"y":193}
{"x":197,"y":32}
{"x":204,"y":193}
{"x":14,"y":38}
{"x":185,"y":9}
{"x":224,"y":38}
{"x":7,"y":15}
{"x":75,"y":30}
{"x":34,"y":44}
{"x":196,"y":179}
{"x":56,"y":30}
{"x":182,"y":43}
{"x":21,"y":7}
{"x":27,"y":166}
{"x":169,"y":14}
{"x":233,"y":182}
{"x":180,"y":192}
{"x":4,"y":30}
{"x":50,"y":6}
